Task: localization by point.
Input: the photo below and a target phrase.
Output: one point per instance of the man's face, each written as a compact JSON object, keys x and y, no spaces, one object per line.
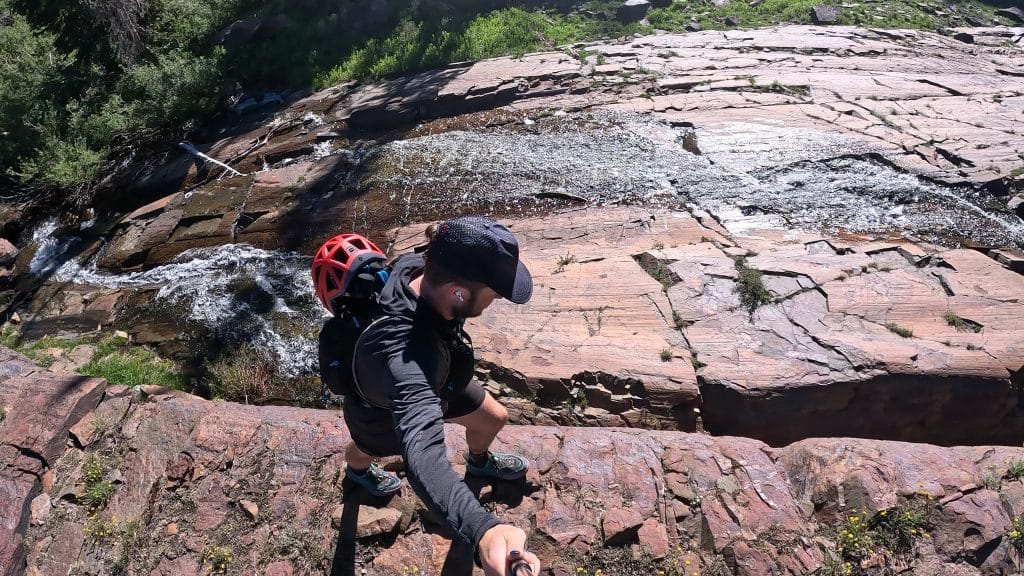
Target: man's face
{"x":476,"y":303}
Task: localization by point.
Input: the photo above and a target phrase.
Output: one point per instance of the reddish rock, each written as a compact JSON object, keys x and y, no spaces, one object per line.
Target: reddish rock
{"x":282,"y":568}
{"x":654,"y":539}
{"x":8,"y":253}
{"x":250,"y":508}
{"x":376,"y":521}
{"x":620,"y":526}
{"x":41,"y":408}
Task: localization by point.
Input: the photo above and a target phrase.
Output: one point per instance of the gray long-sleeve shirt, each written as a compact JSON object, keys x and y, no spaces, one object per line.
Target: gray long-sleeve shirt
{"x":404,"y":362}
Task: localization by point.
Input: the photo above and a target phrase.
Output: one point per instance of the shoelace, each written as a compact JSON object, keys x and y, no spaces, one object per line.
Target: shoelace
{"x":505,"y":461}
{"x":378,"y":474}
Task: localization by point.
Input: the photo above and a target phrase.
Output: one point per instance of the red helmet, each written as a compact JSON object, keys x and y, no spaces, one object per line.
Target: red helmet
{"x":335,"y":262}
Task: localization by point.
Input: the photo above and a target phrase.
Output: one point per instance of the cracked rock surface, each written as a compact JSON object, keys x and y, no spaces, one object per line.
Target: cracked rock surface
{"x":191,"y":479}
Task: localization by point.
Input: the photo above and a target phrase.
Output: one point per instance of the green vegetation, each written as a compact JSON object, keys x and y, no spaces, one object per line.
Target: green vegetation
{"x":247,"y":376}
{"x":894,"y":531}
{"x":564,"y":261}
{"x":219,"y":558}
{"x":128,"y":540}
{"x":897,"y":329}
{"x":891,"y":14}
{"x":750,"y":286}
{"x":98,"y":491}
{"x":132,"y":366}
{"x":97,"y":529}
{"x":953,"y":320}
{"x":666,"y":355}
{"x":1015,"y":469}
{"x":1016,"y":533}
{"x":86,"y":82}
{"x":113,"y":358}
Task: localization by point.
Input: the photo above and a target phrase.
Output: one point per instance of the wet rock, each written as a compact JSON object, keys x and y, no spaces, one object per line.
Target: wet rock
{"x":661,"y":3}
{"x":964,"y":37}
{"x":632,"y":10}
{"x":1017,"y":205}
{"x":824,"y":14}
{"x":1012,"y":12}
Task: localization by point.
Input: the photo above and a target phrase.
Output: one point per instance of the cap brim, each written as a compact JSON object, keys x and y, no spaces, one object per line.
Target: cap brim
{"x":522,"y":289}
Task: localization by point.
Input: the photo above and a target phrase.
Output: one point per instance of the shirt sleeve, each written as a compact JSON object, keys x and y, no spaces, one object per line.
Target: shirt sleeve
{"x":419,"y":423}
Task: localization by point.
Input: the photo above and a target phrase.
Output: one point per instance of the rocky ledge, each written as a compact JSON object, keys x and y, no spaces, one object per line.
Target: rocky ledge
{"x":664,"y":319}
{"x":102,"y":479}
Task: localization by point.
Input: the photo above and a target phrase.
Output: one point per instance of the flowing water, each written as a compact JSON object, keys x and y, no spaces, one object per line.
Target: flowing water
{"x":740,"y":176}
{"x":240,"y":293}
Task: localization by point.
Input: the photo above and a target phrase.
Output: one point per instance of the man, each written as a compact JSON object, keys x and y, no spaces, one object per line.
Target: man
{"x":413,"y":369}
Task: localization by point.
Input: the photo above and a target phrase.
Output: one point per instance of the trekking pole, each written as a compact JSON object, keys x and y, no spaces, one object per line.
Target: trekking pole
{"x":521,"y":564}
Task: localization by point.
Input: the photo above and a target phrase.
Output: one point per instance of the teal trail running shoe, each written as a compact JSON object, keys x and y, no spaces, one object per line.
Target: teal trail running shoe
{"x":499,"y":465}
{"x":375,"y":479}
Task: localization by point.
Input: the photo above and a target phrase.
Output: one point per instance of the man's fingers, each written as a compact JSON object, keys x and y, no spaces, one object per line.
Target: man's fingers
{"x":534,"y":562}
{"x":521,"y":568}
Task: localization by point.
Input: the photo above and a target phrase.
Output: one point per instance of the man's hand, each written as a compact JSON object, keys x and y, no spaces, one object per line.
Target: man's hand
{"x":503,"y":545}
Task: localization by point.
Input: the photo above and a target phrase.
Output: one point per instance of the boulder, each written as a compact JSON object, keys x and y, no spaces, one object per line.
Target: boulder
{"x":8,"y":253}
{"x":1017,"y":205}
{"x":632,"y":10}
{"x":824,"y":14}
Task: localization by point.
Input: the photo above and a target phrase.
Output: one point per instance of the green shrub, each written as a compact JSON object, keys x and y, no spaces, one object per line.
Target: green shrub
{"x":248,"y":375}
{"x":750,"y":286}
{"x":219,"y":559}
{"x":899,"y":528}
{"x":1016,"y":533}
{"x":97,"y":490}
{"x":1015,"y":469}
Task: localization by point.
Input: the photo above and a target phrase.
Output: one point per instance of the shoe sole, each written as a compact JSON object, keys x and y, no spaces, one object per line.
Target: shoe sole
{"x":516,"y":476}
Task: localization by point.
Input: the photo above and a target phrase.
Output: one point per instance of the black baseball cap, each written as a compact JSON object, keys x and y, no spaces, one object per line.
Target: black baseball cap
{"x":481,"y":250}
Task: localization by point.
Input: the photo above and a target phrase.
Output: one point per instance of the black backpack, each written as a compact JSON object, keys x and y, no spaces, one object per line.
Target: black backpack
{"x":354,"y":311}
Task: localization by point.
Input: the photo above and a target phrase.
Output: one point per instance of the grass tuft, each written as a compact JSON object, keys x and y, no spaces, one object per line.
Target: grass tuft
{"x":133,"y":367}
{"x":900,"y":330}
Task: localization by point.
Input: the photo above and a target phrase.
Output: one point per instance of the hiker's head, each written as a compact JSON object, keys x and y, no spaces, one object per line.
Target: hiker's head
{"x":471,"y":261}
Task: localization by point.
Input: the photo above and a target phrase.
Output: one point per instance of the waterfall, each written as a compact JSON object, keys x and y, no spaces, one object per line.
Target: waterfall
{"x":267,"y":295}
